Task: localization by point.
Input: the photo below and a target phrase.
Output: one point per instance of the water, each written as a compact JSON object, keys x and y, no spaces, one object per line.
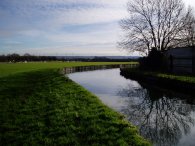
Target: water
{"x":165,"y":117}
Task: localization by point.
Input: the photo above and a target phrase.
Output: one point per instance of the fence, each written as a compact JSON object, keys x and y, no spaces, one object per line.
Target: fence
{"x":182,"y":59}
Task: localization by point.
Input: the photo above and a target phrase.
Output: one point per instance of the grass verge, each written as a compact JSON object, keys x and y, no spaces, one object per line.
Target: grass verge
{"x":172,"y":81}
{"x":182,"y":78}
{"x":46,"y":108}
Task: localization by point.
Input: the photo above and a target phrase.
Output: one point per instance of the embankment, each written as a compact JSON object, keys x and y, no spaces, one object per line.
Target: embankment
{"x":46,"y":108}
{"x":170,"y":81}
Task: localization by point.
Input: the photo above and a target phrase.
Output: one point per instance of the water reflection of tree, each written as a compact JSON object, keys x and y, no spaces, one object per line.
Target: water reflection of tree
{"x":160,"y":116}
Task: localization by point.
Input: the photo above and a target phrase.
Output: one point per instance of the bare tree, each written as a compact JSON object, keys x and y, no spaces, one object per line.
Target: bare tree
{"x":155,"y":23}
{"x":188,"y":34}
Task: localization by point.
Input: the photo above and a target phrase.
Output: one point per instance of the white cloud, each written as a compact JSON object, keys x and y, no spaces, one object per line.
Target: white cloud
{"x":52,"y":15}
{"x":88,"y":16}
{"x":60,"y":50}
{"x":40,"y":23}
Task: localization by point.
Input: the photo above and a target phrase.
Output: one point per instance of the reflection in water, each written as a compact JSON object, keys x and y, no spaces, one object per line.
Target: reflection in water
{"x":165,"y":117}
{"x":160,"y":116}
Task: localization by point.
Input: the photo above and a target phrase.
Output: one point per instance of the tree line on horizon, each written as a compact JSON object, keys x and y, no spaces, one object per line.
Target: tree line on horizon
{"x":25,"y":58}
{"x":12,"y":58}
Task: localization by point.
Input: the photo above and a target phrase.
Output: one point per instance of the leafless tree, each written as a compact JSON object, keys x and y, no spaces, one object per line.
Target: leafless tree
{"x":188,"y":34}
{"x":156,"y":23}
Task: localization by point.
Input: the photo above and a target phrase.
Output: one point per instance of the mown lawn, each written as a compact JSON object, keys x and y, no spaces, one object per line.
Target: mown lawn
{"x":13,"y":68}
{"x":43,"y":107}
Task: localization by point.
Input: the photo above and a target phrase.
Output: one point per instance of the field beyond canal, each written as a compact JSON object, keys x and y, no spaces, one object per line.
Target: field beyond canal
{"x":13,"y":68}
{"x":39,"y":106}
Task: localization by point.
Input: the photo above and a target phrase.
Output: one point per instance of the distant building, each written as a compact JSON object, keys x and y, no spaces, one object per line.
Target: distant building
{"x":181,"y":59}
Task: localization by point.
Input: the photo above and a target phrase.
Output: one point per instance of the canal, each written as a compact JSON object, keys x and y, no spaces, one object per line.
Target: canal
{"x":165,"y":117}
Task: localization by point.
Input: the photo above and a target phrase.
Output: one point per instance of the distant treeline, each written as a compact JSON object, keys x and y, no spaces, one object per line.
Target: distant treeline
{"x":100,"y":59}
{"x":28,"y":58}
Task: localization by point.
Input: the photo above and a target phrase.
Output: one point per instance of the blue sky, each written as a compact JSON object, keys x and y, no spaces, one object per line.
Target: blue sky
{"x":62,"y":27}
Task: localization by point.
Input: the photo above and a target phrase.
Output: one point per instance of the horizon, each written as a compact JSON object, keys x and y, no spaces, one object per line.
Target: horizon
{"x":63,"y":27}
{"x":126,"y":56}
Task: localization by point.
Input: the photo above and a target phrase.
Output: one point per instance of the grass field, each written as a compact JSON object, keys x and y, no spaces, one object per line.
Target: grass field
{"x":41,"y":107}
{"x":12,"y":68}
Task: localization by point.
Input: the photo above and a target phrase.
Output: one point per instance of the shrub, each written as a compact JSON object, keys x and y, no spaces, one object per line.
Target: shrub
{"x":154,"y":61}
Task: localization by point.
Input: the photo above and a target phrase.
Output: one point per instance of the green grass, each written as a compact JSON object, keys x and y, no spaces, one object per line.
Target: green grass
{"x":13,"y":68}
{"x":182,"y":78}
{"x":187,"y":79}
{"x":41,"y":107}
{"x":46,"y":108}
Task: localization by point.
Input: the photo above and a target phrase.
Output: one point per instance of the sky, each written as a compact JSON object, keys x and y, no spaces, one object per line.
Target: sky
{"x":62,"y":27}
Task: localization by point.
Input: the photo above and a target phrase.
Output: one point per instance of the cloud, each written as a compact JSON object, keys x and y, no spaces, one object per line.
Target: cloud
{"x":57,"y":13}
{"x":50,"y":26}
{"x":61,"y":26}
{"x":60,"y":51}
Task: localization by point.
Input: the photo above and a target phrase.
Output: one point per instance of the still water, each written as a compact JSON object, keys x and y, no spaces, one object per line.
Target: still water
{"x":165,"y":117}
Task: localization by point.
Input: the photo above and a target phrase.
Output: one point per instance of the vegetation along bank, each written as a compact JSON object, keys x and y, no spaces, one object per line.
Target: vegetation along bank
{"x":39,"y":106}
{"x":184,"y":83}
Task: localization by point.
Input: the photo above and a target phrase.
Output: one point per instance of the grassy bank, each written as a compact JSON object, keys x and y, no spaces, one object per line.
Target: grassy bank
{"x":182,"y":82}
{"x":182,"y":78}
{"x":45,"y":108}
{"x":13,"y":68}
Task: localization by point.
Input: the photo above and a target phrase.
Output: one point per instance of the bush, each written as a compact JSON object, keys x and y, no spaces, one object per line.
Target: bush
{"x":154,"y":61}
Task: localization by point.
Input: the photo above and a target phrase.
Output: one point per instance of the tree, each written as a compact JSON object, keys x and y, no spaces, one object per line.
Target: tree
{"x":159,"y":24}
{"x":13,"y":57}
{"x":189,"y":30}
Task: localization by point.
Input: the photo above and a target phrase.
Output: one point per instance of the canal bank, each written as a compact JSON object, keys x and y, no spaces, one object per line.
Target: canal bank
{"x":163,"y":116}
{"x":46,"y":108}
{"x":175,"y":82}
